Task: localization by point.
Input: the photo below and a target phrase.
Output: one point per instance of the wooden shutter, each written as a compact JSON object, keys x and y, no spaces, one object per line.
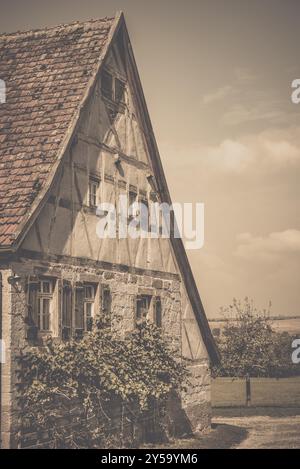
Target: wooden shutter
{"x":66,"y":311}
{"x":79,"y":311}
{"x":157,"y":312}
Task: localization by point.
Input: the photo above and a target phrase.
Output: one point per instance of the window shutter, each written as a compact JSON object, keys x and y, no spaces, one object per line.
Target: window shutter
{"x":157,"y":312}
{"x":66,"y":311}
{"x":79,"y":311}
{"x":33,"y":304}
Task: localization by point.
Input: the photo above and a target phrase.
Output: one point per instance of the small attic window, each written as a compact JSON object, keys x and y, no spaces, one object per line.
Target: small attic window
{"x":107,"y":85}
{"x":112,"y":88}
{"x":119,"y":91}
{"x":93,"y":189}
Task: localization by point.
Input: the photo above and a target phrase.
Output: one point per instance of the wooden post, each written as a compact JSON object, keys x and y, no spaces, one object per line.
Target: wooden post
{"x":248,"y":390}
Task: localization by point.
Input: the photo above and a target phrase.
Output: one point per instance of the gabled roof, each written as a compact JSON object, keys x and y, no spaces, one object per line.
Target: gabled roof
{"x":46,"y":73}
{"x":50,"y":75}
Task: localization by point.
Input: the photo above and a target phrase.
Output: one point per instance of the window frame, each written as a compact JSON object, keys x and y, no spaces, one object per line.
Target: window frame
{"x":112,"y":95}
{"x":93,"y":192}
{"x":139,"y":299}
{"x":89,"y":300}
{"x":38,"y":297}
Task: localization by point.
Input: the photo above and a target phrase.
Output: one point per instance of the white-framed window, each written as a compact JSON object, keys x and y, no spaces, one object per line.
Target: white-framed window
{"x":40,"y":304}
{"x":93,"y":192}
{"x":89,"y":300}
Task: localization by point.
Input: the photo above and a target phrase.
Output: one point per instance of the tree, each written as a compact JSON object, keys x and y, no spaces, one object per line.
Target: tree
{"x":250,"y":347}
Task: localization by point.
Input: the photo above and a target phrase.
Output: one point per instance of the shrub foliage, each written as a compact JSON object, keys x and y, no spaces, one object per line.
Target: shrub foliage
{"x":139,"y":371}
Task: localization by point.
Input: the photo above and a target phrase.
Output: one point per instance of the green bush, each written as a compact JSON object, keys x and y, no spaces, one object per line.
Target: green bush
{"x":139,"y":370}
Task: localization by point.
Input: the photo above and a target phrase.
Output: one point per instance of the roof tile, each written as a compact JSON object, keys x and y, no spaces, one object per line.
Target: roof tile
{"x":46,"y":73}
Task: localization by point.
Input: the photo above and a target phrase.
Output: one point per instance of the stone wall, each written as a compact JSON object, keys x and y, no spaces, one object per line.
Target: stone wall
{"x":124,"y":286}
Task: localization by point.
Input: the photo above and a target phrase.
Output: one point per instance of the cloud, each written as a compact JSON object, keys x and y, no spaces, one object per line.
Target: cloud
{"x":218,"y":94}
{"x":230,"y":155}
{"x":241,"y":114}
{"x":281,"y":152}
{"x":269,"y":151}
{"x":244,"y":75}
{"x":269,"y":248}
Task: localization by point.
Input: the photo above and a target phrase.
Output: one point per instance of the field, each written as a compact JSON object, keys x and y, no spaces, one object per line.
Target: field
{"x":265,"y":392}
{"x":289,"y":324}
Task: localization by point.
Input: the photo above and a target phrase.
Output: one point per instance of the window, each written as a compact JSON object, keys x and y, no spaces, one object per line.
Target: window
{"x":107,"y":85}
{"x":40,"y":299}
{"x":119,"y":91}
{"x":93,"y":188}
{"x":142,"y":307}
{"x":131,"y":200}
{"x":157,"y":312}
{"x":112,"y":88}
{"x":144,"y":206}
{"x":89,"y":298}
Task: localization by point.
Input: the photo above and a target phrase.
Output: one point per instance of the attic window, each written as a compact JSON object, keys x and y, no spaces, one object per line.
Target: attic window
{"x":112,"y":88}
{"x":107,"y":85}
{"x":93,"y":189}
{"x":119,"y":91}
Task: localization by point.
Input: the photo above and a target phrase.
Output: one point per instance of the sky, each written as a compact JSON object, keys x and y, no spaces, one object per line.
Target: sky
{"x":217,"y":79}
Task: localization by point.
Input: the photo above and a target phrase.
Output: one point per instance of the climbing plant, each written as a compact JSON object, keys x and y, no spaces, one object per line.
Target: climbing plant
{"x":89,"y":377}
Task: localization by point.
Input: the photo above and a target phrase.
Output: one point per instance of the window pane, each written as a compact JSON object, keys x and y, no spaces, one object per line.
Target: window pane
{"x":93,"y":186}
{"x":119,"y":91}
{"x":46,"y":287}
{"x":89,"y":316}
{"x":89,"y":291}
{"x":46,"y":314}
{"x":107,"y":85}
{"x":142,"y":307}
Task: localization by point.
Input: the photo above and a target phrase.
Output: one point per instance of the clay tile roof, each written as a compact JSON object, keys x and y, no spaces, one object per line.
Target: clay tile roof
{"x":46,"y":73}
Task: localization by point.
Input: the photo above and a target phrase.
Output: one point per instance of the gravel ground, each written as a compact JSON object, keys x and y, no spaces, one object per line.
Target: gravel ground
{"x":265,"y":431}
{"x":249,"y":428}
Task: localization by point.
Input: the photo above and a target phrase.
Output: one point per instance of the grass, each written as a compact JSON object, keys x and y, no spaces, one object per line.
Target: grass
{"x":265,"y":392}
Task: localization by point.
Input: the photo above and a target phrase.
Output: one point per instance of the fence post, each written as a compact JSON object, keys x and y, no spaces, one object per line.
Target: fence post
{"x":248,"y":390}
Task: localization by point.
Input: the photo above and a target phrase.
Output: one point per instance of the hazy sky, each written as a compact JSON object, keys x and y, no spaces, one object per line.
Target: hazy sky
{"x":217,"y":78}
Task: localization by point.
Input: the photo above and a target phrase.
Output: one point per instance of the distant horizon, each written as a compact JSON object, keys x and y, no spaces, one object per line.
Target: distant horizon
{"x":278,"y":318}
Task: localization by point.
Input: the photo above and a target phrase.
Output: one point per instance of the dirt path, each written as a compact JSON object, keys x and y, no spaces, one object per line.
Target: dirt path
{"x":265,"y":431}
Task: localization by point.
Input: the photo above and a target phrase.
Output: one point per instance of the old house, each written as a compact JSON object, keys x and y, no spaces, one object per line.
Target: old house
{"x":74,"y":131}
